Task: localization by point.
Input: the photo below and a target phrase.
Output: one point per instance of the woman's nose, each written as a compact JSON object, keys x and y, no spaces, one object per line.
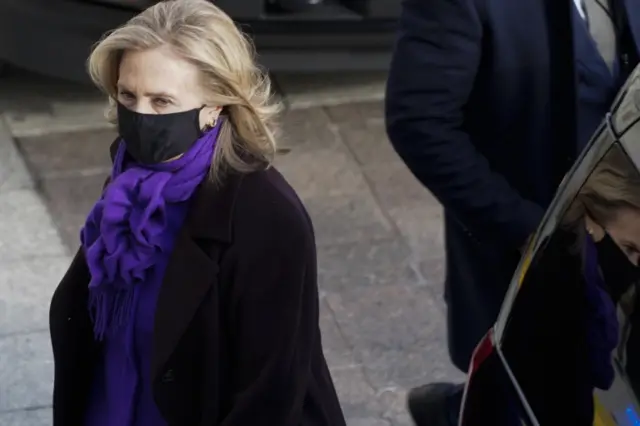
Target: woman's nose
{"x":143,"y":106}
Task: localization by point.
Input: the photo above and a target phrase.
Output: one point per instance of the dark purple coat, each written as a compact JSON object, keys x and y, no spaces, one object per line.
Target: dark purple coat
{"x":237,"y":340}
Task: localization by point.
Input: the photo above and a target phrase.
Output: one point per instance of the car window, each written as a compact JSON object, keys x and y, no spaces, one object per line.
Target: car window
{"x":569,"y":330}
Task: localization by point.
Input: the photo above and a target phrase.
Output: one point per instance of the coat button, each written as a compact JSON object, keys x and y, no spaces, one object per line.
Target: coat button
{"x":168,"y":376}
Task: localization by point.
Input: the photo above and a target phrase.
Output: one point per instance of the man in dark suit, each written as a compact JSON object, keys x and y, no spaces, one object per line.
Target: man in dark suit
{"x":489,"y":103}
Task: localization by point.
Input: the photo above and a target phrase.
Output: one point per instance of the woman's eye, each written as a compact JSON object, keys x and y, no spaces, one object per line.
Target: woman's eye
{"x":126,"y":95}
{"x":161,"y":102}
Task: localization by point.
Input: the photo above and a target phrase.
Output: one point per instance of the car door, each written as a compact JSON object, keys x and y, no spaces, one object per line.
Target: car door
{"x":565,"y":349}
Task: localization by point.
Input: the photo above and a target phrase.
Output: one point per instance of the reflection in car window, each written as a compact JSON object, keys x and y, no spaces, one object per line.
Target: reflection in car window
{"x":575,"y":312}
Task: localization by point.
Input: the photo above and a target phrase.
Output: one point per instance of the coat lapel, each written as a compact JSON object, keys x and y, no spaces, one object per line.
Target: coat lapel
{"x":589,"y":60}
{"x":632,"y":11}
{"x":188,"y":278}
{"x":193,"y":268}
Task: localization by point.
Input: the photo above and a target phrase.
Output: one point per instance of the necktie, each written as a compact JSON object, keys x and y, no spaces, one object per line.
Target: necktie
{"x":602,"y":29}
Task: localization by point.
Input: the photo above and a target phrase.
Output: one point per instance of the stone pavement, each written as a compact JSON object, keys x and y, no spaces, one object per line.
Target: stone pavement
{"x":378,"y":232}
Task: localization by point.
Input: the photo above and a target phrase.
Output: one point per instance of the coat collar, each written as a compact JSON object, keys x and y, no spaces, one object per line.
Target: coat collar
{"x":193,"y":266}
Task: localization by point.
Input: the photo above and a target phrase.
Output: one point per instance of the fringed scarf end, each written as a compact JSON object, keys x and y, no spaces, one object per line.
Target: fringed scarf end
{"x":109,"y":310}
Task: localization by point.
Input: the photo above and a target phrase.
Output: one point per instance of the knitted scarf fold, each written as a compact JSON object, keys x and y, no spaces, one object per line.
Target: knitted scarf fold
{"x":122,"y":237}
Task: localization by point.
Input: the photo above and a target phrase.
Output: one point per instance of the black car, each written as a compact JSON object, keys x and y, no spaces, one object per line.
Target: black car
{"x":54,"y":37}
{"x":565,"y":349}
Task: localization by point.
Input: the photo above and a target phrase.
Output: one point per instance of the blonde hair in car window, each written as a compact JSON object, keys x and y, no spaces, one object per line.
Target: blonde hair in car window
{"x":612,"y":185}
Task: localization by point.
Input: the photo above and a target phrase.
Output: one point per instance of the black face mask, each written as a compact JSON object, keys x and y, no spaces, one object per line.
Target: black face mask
{"x":154,"y":138}
{"x":617,"y":270}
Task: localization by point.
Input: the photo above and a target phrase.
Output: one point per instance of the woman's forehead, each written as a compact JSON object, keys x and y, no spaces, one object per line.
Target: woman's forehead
{"x":157,"y":70}
{"x":626,"y":225}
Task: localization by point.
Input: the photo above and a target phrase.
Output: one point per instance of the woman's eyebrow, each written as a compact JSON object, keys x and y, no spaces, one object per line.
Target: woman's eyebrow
{"x":159,"y":95}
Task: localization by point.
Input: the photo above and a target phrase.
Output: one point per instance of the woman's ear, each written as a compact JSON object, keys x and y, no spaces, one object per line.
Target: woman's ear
{"x":209,"y":116}
{"x":593,"y":228}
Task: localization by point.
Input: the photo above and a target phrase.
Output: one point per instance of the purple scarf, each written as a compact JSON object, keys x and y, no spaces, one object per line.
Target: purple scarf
{"x":602,"y":320}
{"x":122,"y":237}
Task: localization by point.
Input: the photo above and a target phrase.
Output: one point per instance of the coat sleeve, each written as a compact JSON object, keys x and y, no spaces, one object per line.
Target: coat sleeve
{"x":432,"y":73}
{"x":275,"y":321}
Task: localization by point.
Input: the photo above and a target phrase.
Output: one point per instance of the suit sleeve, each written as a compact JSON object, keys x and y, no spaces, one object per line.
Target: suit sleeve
{"x":275,"y":328}
{"x":432,"y":73}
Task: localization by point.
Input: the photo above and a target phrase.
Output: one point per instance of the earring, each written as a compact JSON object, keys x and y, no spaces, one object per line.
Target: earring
{"x":212,"y":122}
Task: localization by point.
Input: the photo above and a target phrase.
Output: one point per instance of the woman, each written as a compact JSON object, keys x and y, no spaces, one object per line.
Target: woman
{"x":562,"y":331}
{"x":606,"y":212}
{"x":596,"y":257}
{"x":606,"y":218}
{"x":193,"y":299}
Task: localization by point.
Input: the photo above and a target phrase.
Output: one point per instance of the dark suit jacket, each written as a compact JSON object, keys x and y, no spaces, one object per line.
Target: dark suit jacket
{"x":237,"y":340}
{"x":481,"y":106}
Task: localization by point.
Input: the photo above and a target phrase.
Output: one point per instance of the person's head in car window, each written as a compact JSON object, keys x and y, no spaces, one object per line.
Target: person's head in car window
{"x":609,"y":203}
{"x":607,"y":208}
{"x":605,"y":216}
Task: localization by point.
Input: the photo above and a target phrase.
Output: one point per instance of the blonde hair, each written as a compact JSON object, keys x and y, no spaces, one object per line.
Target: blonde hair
{"x":613,"y":185}
{"x":204,"y":35}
